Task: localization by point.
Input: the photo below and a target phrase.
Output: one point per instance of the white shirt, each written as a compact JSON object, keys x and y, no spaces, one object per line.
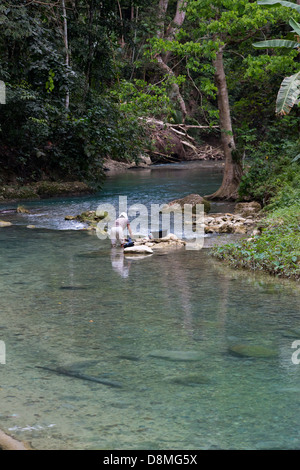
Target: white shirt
{"x":121,"y":222}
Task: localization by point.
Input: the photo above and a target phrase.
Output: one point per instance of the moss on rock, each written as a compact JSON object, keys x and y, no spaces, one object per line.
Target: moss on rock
{"x":88,"y":217}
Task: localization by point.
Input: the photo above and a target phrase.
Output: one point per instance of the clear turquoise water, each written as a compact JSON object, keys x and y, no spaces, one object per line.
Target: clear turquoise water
{"x":160,"y":327}
{"x":157,"y":186}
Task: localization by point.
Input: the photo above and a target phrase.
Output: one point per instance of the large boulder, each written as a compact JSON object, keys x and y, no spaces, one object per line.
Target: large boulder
{"x":192,"y":199}
{"x":167,"y":144}
{"x":144,"y":161}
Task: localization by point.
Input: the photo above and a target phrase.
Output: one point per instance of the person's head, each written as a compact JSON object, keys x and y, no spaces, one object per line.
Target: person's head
{"x":123,"y":214}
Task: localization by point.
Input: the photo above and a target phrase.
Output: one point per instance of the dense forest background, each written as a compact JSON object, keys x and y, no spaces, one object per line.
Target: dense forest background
{"x":86,"y":80}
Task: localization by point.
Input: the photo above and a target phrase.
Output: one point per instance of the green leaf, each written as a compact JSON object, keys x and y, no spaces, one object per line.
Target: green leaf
{"x":296,"y":158}
{"x":288,"y":94}
{"x":295,"y":26}
{"x":277,"y":43}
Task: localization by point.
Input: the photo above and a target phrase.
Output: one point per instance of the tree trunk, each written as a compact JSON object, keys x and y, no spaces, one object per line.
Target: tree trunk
{"x":65,"y":34}
{"x":172,"y":29}
{"x":162,"y":10}
{"x":166,"y":69}
{"x":176,"y":23}
{"x":91,"y":49}
{"x":233,"y":167}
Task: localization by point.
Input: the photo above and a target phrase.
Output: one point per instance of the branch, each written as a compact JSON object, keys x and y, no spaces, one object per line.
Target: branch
{"x":180,"y":126}
{"x":174,"y":85}
{"x":39,"y":3}
{"x":191,"y":126}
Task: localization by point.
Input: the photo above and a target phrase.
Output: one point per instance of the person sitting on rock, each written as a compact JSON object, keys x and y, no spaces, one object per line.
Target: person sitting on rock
{"x":117,"y":231}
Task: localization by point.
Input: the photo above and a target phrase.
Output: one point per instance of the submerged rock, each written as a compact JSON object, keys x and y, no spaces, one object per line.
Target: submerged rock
{"x":177,"y":355}
{"x":254,"y":351}
{"x":89,"y":217}
{"x":189,"y":380}
{"x":129,"y":357}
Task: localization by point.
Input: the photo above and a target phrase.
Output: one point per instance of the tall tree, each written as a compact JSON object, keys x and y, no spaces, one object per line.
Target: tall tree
{"x":220,"y":26}
{"x":233,"y":166}
{"x":169,"y":35}
{"x":66,"y":43}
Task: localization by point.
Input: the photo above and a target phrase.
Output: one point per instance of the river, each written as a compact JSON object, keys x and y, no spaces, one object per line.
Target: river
{"x":180,"y":351}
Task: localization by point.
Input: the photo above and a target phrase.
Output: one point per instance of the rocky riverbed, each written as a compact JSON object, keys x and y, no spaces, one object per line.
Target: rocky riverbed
{"x":244,"y":221}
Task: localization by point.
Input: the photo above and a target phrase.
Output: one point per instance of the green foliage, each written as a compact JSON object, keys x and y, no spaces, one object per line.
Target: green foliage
{"x":262,"y":67}
{"x":141,"y":99}
{"x":113,"y":81}
{"x":289,"y":91}
{"x":276,"y":251}
{"x":269,"y":172}
{"x":39,"y":137}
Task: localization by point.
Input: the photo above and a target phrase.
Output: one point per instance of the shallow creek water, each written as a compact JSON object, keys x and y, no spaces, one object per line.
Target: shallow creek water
{"x":162,"y":333}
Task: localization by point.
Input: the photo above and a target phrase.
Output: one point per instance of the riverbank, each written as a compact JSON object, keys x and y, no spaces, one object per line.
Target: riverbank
{"x":47,"y":189}
{"x":113,"y":167}
{"x":274,"y":248}
{"x":43,"y":190}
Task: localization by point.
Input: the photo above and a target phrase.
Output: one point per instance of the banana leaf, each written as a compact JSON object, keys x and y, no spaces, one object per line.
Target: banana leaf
{"x":280,"y":2}
{"x":288,"y":94}
{"x":295,"y":26}
{"x":277,"y":43}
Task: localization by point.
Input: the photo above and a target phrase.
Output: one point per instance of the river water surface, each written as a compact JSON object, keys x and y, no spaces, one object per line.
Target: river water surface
{"x":161,"y":334}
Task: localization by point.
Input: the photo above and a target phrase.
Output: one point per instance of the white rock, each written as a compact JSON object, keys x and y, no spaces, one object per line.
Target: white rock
{"x":170,"y":236}
{"x":138,"y":249}
{"x":3,"y":223}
